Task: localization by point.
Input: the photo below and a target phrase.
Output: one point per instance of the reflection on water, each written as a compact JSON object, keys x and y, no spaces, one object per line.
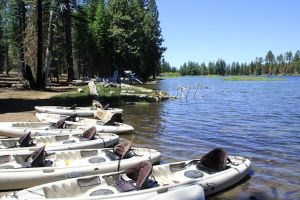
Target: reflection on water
{"x":259,"y":120}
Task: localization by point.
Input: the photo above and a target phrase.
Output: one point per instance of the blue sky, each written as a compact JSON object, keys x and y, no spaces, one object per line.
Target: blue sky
{"x":234,"y":30}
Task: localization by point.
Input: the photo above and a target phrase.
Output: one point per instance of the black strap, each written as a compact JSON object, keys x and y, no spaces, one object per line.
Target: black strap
{"x":119,"y":163}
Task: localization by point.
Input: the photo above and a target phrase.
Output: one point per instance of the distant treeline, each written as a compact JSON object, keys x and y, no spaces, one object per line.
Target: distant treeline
{"x":80,"y":38}
{"x":287,"y":63}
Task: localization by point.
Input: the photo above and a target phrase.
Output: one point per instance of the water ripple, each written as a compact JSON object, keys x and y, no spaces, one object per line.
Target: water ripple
{"x":259,"y":120}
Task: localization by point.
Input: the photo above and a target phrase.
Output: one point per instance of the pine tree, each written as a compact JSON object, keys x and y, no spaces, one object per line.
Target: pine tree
{"x":66,"y":13}
{"x":2,"y":44}
{"x":119,"y":31}
{"x":99,"y":30}
{"x":270,"y":60}
{"x":16,"y":33}
{"x":153,"y":33}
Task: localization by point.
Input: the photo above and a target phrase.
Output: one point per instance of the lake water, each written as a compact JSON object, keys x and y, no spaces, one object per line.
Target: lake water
{"x":256,"y":119}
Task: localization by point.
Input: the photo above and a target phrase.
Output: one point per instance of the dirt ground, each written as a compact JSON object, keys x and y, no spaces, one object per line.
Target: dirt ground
{"x":18,"y":104}
{"x":20,"y":116}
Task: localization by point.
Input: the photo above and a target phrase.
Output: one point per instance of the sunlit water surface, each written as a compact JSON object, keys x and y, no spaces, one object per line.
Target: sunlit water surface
{"x":256,"y":119}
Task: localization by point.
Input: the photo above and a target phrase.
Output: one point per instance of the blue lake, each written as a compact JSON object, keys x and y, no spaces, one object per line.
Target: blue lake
{"x":256,"y":119}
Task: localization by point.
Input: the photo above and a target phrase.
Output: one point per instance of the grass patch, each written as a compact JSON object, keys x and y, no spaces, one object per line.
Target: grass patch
{"x":252,"y":78}
{"x":118,"y":91}
{"x":114,"y":96}
{"x":72,"y":97}
{"x":170,"y":74}
{"x":108,"y":91}
{"x":73,"y":93}
{"x":213,"y":76}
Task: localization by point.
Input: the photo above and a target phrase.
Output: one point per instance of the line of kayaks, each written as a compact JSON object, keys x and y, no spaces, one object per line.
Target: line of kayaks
{"x":69,"y":157}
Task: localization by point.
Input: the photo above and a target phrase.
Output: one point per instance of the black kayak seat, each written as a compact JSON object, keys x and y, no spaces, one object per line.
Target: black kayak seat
{"x":71,"y":118}
{"x":26,"y":140}
{"x":117,"y":117}
{"x":35,"y":159}
{"x":59,"y":124}
{"x":214,"y":160}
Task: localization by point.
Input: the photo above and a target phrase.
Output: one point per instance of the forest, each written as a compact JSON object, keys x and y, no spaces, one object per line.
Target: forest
{"x":283,"y":64}
{"x":83,"y":38}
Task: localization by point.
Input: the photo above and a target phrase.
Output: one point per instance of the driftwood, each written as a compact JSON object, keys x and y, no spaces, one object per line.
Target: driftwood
{"x":103,"y":115}
{"x":93,"y":88}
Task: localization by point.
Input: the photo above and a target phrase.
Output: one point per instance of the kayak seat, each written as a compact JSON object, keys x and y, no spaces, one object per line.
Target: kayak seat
{"x":213,"y":161}
{"x":117,"y":117}
{"x":37,"y":159}
{"x":122,"y":149}
{"x":89,"y":134}
{"x":60,"y":124}
{"x":5,"y":159}
{"x":26,"y":140}
{"x":9,"y":143}
{"x":102,"y":192}
{"x":71,"y":118}
{"x":106,"y":107}
{"x":95,"y":160}
{"x":140,"y":173}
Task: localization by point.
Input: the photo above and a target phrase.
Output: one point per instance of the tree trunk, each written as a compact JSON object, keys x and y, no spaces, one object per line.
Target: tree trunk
{"x":6,"y":55}
{"x":22,"y":24}
{"x":49,"y":48}
{"x":69,"y":56}
{"x":39,"y":55}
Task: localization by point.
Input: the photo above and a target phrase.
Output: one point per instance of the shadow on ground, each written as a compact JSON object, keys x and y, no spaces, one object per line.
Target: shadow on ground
{"x":13,"y":105}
